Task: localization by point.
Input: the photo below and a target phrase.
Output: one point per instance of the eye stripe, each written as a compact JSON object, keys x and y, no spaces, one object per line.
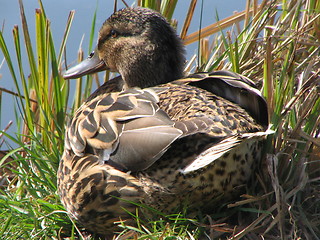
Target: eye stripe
{"x":106,"y":37}
{"x":114,"y":33}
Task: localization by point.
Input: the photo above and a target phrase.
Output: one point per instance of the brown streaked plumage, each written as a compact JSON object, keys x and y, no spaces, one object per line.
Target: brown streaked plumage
{"x":151,"y":136}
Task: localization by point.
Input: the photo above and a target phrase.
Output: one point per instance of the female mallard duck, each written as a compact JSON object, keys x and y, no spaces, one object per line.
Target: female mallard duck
{"x":146,"y":137}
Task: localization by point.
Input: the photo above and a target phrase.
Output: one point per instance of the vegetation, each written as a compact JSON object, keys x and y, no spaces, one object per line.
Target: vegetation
{"x":275,"y":43}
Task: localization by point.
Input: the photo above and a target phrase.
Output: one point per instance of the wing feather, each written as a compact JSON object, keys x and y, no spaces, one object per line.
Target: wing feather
{"x":127,"y":128}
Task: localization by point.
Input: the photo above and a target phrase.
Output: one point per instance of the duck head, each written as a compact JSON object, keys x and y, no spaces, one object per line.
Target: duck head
{"x":139,"y":44}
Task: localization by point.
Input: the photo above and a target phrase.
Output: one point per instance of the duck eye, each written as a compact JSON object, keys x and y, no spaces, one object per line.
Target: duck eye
{"x":113,"y":33}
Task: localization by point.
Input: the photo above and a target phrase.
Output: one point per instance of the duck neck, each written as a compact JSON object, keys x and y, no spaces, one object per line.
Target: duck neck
{"x":152,"y":67}
{"x":150,"y":75}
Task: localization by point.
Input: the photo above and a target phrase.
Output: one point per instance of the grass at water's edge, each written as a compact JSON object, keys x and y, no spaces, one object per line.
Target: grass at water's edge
{"x":275,"y":44}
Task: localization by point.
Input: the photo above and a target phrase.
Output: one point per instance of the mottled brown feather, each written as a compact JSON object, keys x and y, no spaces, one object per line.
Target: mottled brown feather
{"x":145,"y":138}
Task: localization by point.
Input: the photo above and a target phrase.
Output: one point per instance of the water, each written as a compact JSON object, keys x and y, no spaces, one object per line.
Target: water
{"x":57,"y":11}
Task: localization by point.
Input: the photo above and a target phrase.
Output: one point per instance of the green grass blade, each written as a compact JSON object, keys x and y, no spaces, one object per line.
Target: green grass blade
{"x":28,"y":45}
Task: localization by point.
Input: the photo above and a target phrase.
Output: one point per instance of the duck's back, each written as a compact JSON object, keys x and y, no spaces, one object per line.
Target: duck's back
{"x":209,"y":147}
{"x":204,"y":165}
{"x":184,"y":102}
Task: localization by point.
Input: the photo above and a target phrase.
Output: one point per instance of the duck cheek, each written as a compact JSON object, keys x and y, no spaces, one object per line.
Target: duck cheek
{"x":111,"y":57}
{"x":109,"y":61}
{"x":111,"y":66}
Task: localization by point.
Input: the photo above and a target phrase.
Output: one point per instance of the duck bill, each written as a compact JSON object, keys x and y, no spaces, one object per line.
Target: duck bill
{"x":90,"y":65}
